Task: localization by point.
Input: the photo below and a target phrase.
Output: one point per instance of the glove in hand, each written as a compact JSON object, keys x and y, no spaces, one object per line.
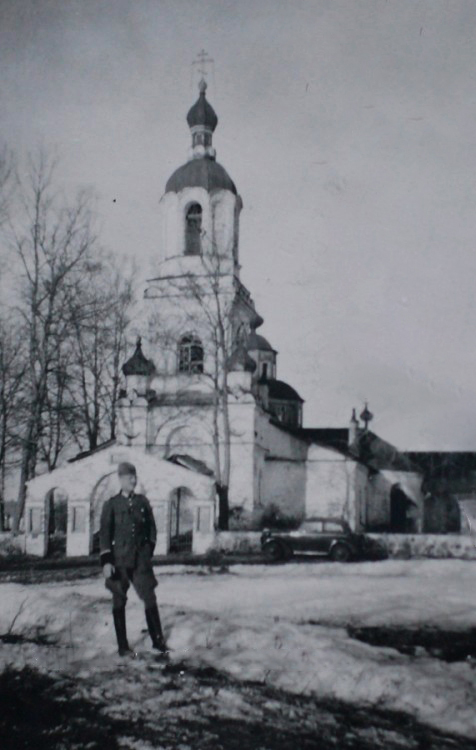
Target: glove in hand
{"x":108,"y":570}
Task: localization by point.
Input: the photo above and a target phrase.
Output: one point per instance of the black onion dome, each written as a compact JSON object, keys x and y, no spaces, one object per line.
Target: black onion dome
{"x":278,"y":389}
{"x":205,"y":173}
{"x":256,"y":341}
{"x":138,"y":364}
{"x":202,"y":113}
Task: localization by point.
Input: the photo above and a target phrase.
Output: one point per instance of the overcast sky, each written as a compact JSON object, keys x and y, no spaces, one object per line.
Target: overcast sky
{"x":349,"y":128}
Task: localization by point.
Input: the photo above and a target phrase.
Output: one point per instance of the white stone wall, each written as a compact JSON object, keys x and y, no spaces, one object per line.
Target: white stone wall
{"x":279,"y":468}
{"x":361,"y":496}
{"x":284,"y":485}
{"x":220,"y":217}
{"x":189,"y":430}
{"x":331,"y":484}
{"x":378,"y":503}
{"x":173,"y":310}
{"x":442,"y":546}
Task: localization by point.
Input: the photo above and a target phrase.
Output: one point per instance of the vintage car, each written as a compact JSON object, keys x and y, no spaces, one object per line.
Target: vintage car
{"x":331,"y":537}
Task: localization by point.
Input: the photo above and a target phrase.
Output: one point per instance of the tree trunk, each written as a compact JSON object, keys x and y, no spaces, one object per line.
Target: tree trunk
{"x":28,"y":464}
{"x":22,"y":491}
{"x":223,"y":507}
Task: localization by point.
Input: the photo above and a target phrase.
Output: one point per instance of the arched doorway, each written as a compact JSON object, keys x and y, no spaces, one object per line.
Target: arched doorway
{"x":57,"y":514}
{"x":401,"y":520}
{"x":181,"y":520}
{"x":105,"y":488}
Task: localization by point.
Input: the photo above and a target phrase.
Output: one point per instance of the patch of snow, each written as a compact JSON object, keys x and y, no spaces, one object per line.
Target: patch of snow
{"x":255,"y":624}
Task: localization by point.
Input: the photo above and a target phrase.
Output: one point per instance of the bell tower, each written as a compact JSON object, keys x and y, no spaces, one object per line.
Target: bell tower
{"x":200,"y":209}
{"x":197,"y":289}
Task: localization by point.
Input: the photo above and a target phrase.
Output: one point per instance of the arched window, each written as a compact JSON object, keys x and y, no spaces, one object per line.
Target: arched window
{"x":190,"y":354}
{"x":193,"y":230}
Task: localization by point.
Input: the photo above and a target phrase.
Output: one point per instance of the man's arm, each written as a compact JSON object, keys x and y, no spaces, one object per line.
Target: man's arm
{"x":106,"y":534}
{"x":152,"y":525}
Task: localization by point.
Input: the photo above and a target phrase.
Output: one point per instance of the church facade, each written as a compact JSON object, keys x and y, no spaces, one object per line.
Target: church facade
{"x":219,"y":436}
{"x":203,"y":382}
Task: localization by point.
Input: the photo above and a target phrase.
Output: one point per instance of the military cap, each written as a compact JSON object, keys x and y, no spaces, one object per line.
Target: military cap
{"x":126,"y":468}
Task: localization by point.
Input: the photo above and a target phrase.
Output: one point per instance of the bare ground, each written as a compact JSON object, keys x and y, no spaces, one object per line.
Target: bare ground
{"x":149,"y":705}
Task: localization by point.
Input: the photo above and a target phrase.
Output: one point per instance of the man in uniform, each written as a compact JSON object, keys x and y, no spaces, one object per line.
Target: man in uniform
{"x":127,"y":540}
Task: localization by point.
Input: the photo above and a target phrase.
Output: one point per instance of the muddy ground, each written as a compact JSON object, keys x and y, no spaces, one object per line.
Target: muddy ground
{"x":182,"y":709}
{"x":146,"y":704}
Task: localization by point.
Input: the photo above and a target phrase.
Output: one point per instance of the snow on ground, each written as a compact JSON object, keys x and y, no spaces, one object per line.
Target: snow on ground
{"x":283,"y":625}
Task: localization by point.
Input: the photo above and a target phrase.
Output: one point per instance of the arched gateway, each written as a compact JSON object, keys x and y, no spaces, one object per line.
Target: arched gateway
{"x":89,"y":481}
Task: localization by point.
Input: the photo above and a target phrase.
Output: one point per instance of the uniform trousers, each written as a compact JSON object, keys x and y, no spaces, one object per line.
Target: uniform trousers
{"x":142,"y":579}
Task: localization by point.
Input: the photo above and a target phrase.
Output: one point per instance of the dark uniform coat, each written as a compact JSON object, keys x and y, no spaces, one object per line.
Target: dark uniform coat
{"x":127,"y":538}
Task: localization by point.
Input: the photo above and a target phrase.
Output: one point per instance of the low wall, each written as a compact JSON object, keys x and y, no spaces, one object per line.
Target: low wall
{"x":237,"y":541}
{"x":460,"y":546}
{"x":428,"y":545}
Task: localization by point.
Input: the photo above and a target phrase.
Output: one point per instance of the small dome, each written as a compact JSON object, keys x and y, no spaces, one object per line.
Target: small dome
{"x":138,"y":364}
{"x":279,"y":390}
{"x":205,"y":173}
{"x":202,"y":113}
{"x":240,"y":360}
{"x":255,"y":341}
{"x":256,"y":321}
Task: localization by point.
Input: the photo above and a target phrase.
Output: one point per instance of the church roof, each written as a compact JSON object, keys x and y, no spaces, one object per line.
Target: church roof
{"x":332,"y":437}
{"x":256,"y":341}
{"x":381,"y":455}
{"x":449,"y":464}
{"x":204,"y":172}
{"x":279,"y":390}
{"x":138,"y":364}
{"x":202,"y":113}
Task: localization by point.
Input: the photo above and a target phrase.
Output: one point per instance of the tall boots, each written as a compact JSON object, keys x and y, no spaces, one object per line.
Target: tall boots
{"x":155,"y":628}
{"x":119,"y":616}
{"x":153,"y":623}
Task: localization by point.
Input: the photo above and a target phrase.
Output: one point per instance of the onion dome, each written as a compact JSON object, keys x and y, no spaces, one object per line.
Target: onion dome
{"x":256,"y":321}
{"x":138,"y":364}
{"x":204,"y":173}
{"x":240,"y":360}
{"x":256,"y":342}
{"x":281,"y":391}
{"x":202,"y":113}
{"x":366,"y":416}
{"x":201,"y":170}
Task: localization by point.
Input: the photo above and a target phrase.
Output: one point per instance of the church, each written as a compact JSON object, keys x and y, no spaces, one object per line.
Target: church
{"x":218,"y":437}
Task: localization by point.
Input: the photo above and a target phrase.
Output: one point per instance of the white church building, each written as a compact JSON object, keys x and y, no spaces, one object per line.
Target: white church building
{"x":202,"y":407}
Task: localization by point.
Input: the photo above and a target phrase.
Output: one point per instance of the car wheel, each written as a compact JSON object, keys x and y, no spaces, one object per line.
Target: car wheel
{"x":340,"y":553}
{"x":273,"y":551}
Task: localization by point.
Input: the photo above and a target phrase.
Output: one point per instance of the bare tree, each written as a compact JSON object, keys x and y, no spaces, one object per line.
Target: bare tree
{"x":7,"y":182}
{"x":53,"y":241}
{"x":12,"y":370}
{"x":119,"y":318}
{"x":11,"y":350}
{"x":215,"y":299}
{"x":100,"y":313}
